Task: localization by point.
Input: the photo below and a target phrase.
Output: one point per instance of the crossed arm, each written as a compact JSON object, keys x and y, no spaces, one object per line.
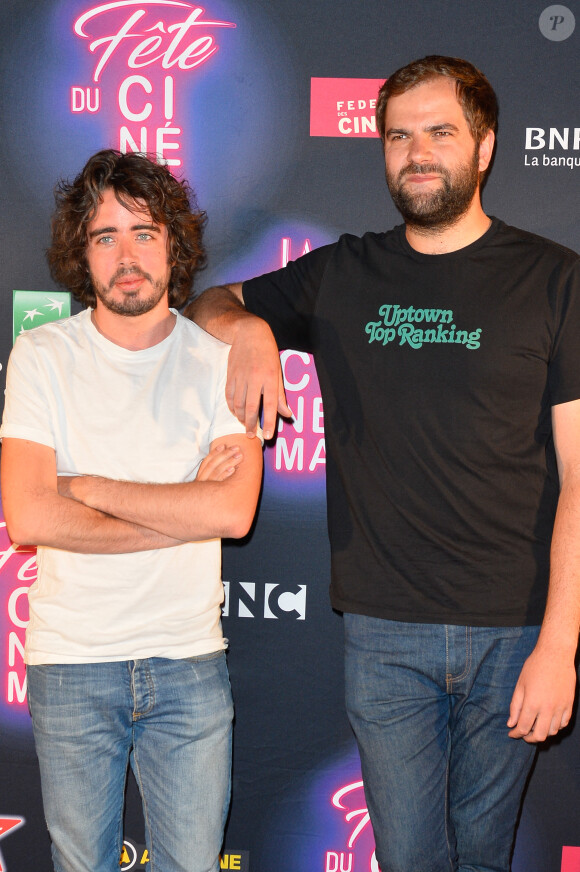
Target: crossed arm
{"x":90,"y":514}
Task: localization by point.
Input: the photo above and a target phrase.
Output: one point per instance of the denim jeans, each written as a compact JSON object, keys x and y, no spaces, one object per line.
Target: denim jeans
{"x":429,"y":704}
{"x":171,"y":721}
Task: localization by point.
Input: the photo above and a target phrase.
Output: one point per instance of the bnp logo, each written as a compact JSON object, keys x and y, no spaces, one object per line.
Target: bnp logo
{"x":33,"y":308}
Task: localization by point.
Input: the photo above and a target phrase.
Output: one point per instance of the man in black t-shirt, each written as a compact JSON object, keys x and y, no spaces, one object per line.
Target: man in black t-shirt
{"x":449,"y":366}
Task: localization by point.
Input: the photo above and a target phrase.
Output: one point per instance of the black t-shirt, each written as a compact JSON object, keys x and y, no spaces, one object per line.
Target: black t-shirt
{"x":438,"y":373}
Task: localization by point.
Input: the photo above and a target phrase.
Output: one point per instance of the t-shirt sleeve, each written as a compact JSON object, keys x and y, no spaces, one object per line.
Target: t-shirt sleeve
{"x":286,"y":298}
{"x":224,"y":423}
{"x":564,"y":365}
{"x":26,"y":404}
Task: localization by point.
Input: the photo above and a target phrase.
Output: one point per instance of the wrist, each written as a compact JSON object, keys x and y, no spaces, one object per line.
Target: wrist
{"x":78,"y":488}
{"x":559,"y":639}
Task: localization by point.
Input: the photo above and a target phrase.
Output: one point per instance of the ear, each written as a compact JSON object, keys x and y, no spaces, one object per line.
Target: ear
{"x":486,"y":150}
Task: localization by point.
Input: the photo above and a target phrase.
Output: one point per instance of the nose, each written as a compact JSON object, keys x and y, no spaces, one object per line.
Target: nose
{"x":126,"y":251}
{"x":420,"y":149}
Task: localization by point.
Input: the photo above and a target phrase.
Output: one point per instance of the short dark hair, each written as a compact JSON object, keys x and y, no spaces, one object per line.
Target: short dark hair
{"x":475,"y":94}
{"x":134,"y":178}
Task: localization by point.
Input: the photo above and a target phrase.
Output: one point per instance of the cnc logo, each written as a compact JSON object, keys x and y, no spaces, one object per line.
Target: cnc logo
{"x":246,"y":599}
{"x":343,"y":107}
{"x":8,"y":824}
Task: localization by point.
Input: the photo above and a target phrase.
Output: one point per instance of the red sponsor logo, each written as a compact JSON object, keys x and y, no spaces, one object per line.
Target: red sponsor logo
{"x":7,"y":824}
{"x":343,"y":107}
{"x":570,"y":859}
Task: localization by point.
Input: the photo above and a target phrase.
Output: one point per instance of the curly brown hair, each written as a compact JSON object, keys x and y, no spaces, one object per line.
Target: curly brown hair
{"x":134,"y":178}
{"x":474,"y":93}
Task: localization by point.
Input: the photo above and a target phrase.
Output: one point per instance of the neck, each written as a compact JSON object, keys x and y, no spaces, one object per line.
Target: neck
{"x":441,"y":240}
{"x":133,"y":332}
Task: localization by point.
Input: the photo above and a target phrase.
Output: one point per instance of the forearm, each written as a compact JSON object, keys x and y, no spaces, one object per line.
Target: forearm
{"x":254,"y":374}
{"x":544,"y":694}
{"x":57,"y":522}
{"x":36,"y":514}
{"x":221,"y":312}
{"x":189,"y":511}
{"x":561,"y":623}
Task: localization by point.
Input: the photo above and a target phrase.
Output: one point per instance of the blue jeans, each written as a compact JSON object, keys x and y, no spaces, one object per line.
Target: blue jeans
{"x":429,"y":704}
{"x":171,"y":720}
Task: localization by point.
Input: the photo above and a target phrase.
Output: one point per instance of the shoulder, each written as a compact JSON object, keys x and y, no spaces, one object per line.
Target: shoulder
{"x":370,"y":244}
{"x":196,"y":337}
{"x":370,"y":238}
{"x":524,"y":240}
{"x":53,"y":333}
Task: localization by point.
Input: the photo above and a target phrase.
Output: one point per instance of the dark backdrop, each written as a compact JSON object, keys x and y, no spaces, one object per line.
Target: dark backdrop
{"x":233,"y":106}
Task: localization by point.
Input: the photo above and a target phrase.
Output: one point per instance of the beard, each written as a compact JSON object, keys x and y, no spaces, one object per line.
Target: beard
{"x":131,"y":303}
{"x":440,"y":208}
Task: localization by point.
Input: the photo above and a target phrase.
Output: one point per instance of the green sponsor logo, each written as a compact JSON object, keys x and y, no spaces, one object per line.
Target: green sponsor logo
{"x":33,"y":308}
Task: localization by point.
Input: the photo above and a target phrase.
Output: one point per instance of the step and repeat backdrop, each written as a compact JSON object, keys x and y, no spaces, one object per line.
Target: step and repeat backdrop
{"x":267,"y":107}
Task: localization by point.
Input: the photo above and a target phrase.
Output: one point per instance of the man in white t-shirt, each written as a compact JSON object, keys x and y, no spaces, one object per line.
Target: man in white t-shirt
{"x":123,"y":464}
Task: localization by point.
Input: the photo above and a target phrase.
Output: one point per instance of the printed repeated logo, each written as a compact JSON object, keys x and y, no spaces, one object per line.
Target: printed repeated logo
{"x":32,"y":308}
{"x":17,"y":572}
{"x":138,"y":53}
{"x":552,"y":147}
{"x":570,"y":859}
{"x":350,"y":799}
{"x":136,"y":857}
{"x":7,"y":825}
{"x":343,"y":107}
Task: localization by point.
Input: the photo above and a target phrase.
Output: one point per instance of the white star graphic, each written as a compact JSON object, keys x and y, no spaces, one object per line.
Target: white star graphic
{"x":32,"y":313}
{"x":54,"y":304}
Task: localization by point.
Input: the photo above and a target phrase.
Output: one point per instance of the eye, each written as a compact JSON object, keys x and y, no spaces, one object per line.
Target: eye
{"x":104,"y":240}
{"x":144,"y":236}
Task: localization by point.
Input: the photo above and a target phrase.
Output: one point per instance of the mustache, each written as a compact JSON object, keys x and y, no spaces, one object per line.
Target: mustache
{"x":123,"y":272}
{"x":415,"y":169}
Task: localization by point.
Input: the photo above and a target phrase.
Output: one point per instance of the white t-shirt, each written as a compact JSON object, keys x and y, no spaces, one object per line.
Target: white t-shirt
{"x":145,"y":416}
